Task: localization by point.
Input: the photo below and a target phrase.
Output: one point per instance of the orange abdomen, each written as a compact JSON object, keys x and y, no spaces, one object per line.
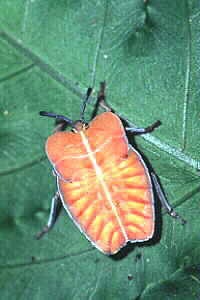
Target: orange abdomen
{"x":103,"y":183}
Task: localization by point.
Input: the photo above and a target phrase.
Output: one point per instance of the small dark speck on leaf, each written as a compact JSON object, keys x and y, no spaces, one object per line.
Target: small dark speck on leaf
{"x":33,"y":259}
{"x":130,"y":276}
{"x":97,"y":260}
{"x":138,"y":257}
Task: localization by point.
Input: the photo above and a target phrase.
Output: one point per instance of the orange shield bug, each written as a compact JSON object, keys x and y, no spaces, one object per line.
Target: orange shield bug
{"x":103,"y":182}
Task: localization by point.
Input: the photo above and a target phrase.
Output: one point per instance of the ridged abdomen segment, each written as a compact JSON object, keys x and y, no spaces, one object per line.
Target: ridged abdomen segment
{"x":117,"y":211}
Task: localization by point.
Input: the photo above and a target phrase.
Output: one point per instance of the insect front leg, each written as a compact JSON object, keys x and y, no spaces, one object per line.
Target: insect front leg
{"x":56,"y":205}
{"x":101,"y":98}
{"x":144,"y":130}
{"x":164,"y":201}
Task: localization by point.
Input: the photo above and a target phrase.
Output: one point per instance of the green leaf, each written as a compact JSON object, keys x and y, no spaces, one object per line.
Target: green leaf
{"x":148,"y":54}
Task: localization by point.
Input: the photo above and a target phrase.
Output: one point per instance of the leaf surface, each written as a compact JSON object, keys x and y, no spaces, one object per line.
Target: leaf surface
{"x":148,"y":54}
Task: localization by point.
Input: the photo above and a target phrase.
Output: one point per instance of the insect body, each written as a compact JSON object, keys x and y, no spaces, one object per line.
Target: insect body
{"x":102,"y":182}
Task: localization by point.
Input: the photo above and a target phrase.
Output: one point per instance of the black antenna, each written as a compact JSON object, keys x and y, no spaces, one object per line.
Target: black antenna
{"x":85,"y":102}
{"x":52,"y":115}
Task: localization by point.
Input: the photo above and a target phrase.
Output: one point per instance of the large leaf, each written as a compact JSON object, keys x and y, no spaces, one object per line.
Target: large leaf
{"x":148,"y":53}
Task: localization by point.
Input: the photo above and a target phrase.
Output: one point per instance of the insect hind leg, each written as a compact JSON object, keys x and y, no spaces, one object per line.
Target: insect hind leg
{"x":56,"y":205}
{"x":164,"y":201}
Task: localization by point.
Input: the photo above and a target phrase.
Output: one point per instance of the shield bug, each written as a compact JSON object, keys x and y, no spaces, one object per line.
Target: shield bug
{"x":103,"y":182}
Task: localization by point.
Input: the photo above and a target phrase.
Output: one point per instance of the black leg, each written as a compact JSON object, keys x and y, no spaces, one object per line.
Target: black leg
{"x":144,"y":130}
{"x":60,"y":125}
{"x":164,"y":201}
{"x":101,"y":98}
{"x":61,"y":121}
{"x":55,"y":209}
